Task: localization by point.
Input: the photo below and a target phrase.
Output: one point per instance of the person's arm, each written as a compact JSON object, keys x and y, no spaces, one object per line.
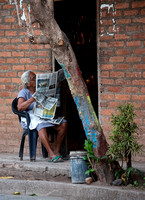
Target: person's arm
{"x":23,"y":104}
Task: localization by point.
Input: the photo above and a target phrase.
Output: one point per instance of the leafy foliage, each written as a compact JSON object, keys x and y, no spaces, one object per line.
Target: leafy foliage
{"x":124,"y":133}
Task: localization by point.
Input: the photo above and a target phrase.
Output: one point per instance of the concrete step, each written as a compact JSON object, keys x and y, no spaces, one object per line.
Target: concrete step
{"x":41,"y":169}
{"x":53,"y":180}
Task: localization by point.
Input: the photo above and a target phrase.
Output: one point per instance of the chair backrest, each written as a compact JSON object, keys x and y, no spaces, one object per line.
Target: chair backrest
{"x":19,"y":113}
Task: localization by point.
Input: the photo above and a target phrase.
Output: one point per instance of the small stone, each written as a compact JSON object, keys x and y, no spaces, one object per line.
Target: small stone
{"x":117,"y":182}
{"x":89,"y":180}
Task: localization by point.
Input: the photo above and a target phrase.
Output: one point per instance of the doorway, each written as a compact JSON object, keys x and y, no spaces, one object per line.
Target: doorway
{"x":77,"y":19}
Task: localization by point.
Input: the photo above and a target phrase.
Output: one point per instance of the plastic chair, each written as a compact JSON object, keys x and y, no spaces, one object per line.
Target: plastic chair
{"x":32,"y":134}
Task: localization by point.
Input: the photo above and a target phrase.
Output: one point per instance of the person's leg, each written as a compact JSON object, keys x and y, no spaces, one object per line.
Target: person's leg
{"x":45,"y":140}
{"x":61,"y":131}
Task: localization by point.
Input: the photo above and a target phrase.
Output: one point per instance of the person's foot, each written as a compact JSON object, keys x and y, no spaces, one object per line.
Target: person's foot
{"x":56,"y":159}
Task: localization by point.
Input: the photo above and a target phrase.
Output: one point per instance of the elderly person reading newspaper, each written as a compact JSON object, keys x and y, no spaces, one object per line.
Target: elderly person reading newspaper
{"x":25,"y":103}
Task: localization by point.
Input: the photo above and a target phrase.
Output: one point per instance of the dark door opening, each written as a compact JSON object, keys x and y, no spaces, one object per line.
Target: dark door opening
{"x":77,"y":19}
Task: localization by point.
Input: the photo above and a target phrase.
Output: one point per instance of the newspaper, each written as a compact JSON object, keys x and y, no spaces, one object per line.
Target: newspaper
{"x":45,"y":95}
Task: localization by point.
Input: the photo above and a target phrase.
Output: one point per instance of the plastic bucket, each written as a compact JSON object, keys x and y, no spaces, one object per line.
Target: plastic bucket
{"x":78,"y":166}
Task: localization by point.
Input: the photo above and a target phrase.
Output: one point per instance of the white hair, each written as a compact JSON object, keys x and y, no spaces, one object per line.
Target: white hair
{"x":25,"y":78}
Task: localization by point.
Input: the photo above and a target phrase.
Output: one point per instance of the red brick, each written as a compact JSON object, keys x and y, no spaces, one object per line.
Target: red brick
{"x":32,"y":53}
{"x":10,"y":20}
{"x":10,"y":33}
{"x":116,"y":44}
{"x":117,"y":13}
{"x":16,"y":80}
{"x":133,"y":43}
{"x":23,"y":46}
{"x":18,"y":67}
{"x":114,"y":104}
{"x":142,"y":11}
{"x":22,"y":33}
{"x":139,"y":20}
{"x":116,"y":59}
{"x":5,"y":54}
{"x":123,"y":97}
{"x":123,"y":21}
{"x":106,"y":37}
{"x":138,"y":36}
{"x":31,"y":67}
{"x":138,"y":82}
{"x":25,"y":60}
{"x":37,"y":32}
{"x":122,"y":66}
{"x":139,"y":51}
{"x":139,"y":66}
{"x":104,"y":74}
{"x":122,"y":52}
{"x":107,"y":96}
{"x":2,"y":74}
{"x":121,"y":37}
{"x":131,"y":90}
{"x":114,"y":74}
{"x":122,"y":5}
{"x":12,"y":60}
{"x":130,"y":12}
{"x":106,"y":22}
{"x":8,"y":6}
{"x":107,"y":112}
{"x":133,"y":74}
{"x":35,"y":46}
{"x":114,"y":89}
{"x":18,"y":54}
{"x":2,"y":87}
{"x":2,"y":60}
{"x":138,"y":4}
{"x":10,"y":87}
{"x":143,"y":90}
{"x":123,"y":82}
{"x":11,"y":74}
{"x":107,"y":67}
{"x":45,"y":68}
{"x":107,"y":81}
{"x":103,"y":14}
{"x":1,"y":33}
{"x":103,"y":44}
{"x":5,"y":94}
{"x":43,"y":53}
{"x":16,"y":40}
{"x":5,"y":26}
{"x":132,"y":28}
{"x":138,"y":97}
{"x":133,"y":59}
{"x":4,"y":40}
{"x":10,"y":47}
{"x":39,"y":60}
{"x":5,"y":80}
{"x":5,"y":67}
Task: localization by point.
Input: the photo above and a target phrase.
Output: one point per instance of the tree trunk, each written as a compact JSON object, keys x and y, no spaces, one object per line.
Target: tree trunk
{"x":42,"y":11}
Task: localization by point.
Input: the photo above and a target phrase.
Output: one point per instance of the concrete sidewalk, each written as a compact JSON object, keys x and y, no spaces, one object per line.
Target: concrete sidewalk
{"x":53,"y":181}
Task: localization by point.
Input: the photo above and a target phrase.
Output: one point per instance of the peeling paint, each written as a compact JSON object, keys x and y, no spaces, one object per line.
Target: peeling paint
{"x":109,"y":6}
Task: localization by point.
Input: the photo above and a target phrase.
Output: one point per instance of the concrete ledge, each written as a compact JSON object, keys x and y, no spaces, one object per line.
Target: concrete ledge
{"x":69,"y":191}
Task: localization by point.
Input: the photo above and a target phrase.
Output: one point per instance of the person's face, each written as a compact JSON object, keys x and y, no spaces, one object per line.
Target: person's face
{"x":32,"y":83}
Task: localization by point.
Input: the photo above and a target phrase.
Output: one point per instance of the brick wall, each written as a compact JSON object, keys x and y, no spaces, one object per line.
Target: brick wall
{"x":121,"y":65}
{"x":122,"y":60}
{"x":16,"y":56}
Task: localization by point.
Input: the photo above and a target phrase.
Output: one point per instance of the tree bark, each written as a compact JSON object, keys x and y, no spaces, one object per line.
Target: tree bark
{"x":43,"y":13}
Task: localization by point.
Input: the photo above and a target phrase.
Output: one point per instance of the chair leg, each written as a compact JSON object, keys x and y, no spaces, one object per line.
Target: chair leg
{"x":21,"y":150}
{"x":33,"y":135}
{"x":44,"y":151}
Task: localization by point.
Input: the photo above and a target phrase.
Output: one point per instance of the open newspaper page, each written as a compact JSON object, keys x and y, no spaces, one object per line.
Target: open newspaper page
{"x":46,"y":86}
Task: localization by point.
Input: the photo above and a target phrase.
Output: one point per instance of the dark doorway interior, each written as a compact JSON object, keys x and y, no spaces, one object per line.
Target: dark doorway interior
{"x":77,"y":19}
